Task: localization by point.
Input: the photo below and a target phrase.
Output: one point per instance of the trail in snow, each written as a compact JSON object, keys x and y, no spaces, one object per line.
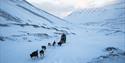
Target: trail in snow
{"x":80,"y":48}
{"x":88,"y":43}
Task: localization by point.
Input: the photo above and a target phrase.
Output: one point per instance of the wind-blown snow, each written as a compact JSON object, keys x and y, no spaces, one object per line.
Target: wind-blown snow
{"x":25,"y":28}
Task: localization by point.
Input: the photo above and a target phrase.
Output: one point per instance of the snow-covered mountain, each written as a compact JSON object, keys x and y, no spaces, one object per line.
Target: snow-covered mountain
{"x":25,"y":28}
{"x":111,"y":16}
{"x":98,"y":14}
{"x":18,"y":17}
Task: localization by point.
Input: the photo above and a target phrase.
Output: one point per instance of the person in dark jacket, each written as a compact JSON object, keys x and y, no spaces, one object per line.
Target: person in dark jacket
{"x":63,"y":38}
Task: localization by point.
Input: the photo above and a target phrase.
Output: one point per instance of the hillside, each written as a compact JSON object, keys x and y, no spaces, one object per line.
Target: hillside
{"x":109,"y":19}
{"x":21,"y":18}
{"x":25,"y":28}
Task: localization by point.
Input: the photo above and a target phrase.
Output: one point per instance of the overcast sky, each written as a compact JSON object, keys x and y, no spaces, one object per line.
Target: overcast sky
{"x":62,"y":8}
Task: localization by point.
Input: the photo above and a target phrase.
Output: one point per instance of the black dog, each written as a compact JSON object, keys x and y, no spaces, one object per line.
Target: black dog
{"x":49,"y":44}
{"x":34,"y":54}
{"x":41,"y":53}
{"x":59,"y":43}
{"x":54,"y":43}
{"x":43,"y":47}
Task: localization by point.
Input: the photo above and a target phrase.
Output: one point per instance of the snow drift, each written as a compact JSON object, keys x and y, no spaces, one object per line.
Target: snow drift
{"x":25,"y":28}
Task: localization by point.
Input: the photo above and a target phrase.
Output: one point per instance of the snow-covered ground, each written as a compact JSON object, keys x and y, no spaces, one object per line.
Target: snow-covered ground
{"x":80,"y":48}
{"x":28,"y":28}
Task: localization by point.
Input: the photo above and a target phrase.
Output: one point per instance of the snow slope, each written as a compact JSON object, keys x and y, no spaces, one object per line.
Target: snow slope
{"x":25,"y":28}
{"x":21,"y":18}
{"x":111,"y":11}
{"x":81,"y":48}
{"x":110,"y":18}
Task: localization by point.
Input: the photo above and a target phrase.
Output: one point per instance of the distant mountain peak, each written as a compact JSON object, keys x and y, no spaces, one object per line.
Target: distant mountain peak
{"x":97,"y":14}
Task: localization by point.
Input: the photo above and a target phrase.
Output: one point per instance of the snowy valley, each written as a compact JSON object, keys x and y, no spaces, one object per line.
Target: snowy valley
{"x":90,"y":32}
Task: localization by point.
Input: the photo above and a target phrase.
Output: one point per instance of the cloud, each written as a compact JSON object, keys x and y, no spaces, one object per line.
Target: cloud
{"x":62,"y":8}
{"x":81,"y":4}
{"x":101,"y":3}
{"x":56,"y":9}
